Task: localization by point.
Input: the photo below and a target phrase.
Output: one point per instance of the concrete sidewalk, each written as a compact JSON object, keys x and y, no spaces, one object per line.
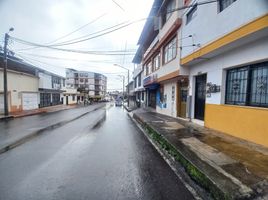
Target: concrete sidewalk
{"x":17,"y":131}
{"x":227,"y":167}
{"x":25,"y":113}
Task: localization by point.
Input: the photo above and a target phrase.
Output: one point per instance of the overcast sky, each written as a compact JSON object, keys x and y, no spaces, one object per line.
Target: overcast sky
{"x":44,"y":21}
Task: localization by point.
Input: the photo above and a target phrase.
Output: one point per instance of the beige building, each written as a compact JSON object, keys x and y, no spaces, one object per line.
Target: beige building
{"x":22,"y":87}
{"x":70,"y":96}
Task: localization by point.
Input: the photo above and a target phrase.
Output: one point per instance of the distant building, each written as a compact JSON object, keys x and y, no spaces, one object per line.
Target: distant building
{"x":90,"y":85}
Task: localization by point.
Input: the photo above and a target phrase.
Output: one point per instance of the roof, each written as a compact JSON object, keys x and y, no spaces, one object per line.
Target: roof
{"x":148,"y":33}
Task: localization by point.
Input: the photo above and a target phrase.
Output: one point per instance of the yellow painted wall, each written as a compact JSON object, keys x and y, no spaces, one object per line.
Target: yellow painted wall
{"x":248,"y":123}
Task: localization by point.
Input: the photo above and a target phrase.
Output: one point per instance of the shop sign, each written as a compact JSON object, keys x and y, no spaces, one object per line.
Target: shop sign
{"x":150,"y":79}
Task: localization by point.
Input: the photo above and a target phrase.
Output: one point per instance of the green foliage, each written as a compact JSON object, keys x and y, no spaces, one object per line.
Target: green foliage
{"x":191,"y":169}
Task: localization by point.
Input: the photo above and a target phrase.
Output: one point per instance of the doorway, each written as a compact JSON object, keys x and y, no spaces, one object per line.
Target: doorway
{"x":67,"y":98}
{"x":200,"y":96}
{"x":182,"y":98}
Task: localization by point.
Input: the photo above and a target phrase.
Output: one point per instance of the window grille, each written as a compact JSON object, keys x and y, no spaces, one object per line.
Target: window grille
{"x":248,"y":85}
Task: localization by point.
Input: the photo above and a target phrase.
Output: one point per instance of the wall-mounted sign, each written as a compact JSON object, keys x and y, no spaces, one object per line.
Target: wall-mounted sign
{"x":150,"y":79}
{"x":212,"y":88}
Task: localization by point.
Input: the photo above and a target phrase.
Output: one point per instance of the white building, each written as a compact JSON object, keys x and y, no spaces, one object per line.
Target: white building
{"x":165,"y":82}
{"x":51,"y":88}
{"x":225,"y":48}
{"x":89,"y":84}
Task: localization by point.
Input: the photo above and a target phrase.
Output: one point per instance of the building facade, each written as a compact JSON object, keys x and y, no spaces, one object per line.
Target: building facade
{"x":139,"y":91}
{"x":90,"y":85}
{"x":164,"y":80}
{"x":22,"y":83}
{"x":51,"y":88}
{"x":225,"y":49}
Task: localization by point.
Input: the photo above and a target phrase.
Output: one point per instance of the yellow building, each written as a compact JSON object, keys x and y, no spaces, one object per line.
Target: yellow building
{"x":225,"y":49}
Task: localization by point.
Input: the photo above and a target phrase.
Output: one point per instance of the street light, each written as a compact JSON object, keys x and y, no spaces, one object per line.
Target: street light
{"x":127,"y":81}
{"x":123,"y":83}
{"x":5,"y":72}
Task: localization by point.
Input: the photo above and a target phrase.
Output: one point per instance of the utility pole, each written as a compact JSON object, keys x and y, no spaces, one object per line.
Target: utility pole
{"x":127,"y":82}
{"x":128,"y":88}
{"x":5,"y":73}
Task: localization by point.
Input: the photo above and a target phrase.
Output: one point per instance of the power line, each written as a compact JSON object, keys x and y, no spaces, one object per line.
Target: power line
{"x":78,"y":41}
{"x":69,"y":59}
{"x":68,"y":34}
{"x":118,"y":5}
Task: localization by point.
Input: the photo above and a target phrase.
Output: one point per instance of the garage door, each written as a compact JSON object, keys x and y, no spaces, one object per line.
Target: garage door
{"x":29,"y":101}
{"x":1,"y":103}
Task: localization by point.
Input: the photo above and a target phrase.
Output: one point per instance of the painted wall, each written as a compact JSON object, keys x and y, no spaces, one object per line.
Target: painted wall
{"x":171,"y":106}
{"x":215,"y":68}
{"x":45,"y":80}
{"x":18,"y":83}
{"x":248,"y":123}
{"x":217,"y":24}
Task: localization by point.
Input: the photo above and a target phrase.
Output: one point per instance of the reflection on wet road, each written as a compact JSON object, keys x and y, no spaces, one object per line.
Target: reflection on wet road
{"x":88,"y":160}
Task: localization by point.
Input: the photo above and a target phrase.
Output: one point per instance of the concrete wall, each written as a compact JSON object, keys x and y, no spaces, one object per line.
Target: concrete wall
{"x":17,"y":84}
{"x":45,"y":80}
{"x":245,"y":122}
{"x":216,"y":24}
{"x":171,"y":106}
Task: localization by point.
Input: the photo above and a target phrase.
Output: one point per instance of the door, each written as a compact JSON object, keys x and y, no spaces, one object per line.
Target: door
{"x":200,"y":96}
{"x":29,"y":101}
{"x":67,"y":100}
{"x":182,"y":99}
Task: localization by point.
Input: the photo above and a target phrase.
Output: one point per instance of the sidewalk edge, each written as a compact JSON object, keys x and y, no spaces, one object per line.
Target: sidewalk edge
{"x":193,"y":171}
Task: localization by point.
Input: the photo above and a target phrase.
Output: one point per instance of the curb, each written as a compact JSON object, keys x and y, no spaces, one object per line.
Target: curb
{"x":191,"y":169}
{"x":6,"y":118}
{"x":40,"y":131}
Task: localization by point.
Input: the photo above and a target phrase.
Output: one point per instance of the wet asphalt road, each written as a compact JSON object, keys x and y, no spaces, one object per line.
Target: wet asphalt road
{"x":84,"y":160}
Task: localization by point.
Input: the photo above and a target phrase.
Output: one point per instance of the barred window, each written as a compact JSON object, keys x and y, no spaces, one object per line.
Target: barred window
{"x":225,"y":3}
{"x":248,"y":85}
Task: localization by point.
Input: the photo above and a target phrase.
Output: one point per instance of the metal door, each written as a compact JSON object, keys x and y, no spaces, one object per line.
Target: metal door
{"x":200,"y":96}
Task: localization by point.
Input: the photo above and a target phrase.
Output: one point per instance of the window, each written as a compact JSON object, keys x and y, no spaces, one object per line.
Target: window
{"x":167,"y":11}
{"x":191,"y":14}
{"x":170,"y":50}
{"x":225,"y":3}
{"x":248,"y":85}
{"x":139,"y":80}
{"x":156,"y":62}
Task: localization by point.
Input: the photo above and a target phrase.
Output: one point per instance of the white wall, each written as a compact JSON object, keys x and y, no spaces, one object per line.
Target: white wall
{"x":45,"y":81}
{"x":171,"y":108}
{"x":215,"y":68}
{"x":210,"y":24}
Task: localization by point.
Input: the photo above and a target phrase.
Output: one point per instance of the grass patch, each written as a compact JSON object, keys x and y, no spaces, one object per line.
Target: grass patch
{"x":191,"y":169}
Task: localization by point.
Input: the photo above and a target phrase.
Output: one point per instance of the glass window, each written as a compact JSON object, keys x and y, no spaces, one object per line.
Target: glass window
{"x":156,"y":62}
{"x":237,"y":80}
{"x":225,"y":3}
{"x":248,"y":85}
{"x":168,"y":10}
{"x":191,"y":14}
{"x":259,"y":85}
{"x":170,"y":50}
